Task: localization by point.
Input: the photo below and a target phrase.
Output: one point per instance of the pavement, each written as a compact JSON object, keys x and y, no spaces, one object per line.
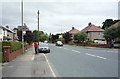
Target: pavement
{"x":28,"y":65}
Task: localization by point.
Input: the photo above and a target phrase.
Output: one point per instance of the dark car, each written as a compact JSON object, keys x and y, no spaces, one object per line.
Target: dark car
{"x":43,"y":48}
{"x":59,"y":43}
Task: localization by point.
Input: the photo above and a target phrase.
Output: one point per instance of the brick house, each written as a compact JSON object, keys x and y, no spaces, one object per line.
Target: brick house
{"x":94,"y":33}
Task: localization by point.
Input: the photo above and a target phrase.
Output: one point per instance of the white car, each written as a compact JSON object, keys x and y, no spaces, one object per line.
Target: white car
{"x":43,"y":48}
{"x":59,"y":43}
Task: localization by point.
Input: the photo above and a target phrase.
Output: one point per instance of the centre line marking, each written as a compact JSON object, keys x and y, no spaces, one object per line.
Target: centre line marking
{"x":66,"y":48}
{"x":76,"y":51}
{"x":95,"y":56}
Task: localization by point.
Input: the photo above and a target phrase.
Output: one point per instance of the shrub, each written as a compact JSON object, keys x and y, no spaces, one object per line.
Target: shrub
{"x":75,"y":41}
{"x":14,"y":45}
{"x":91,"y":42}
{"x":1,"y":57}
{"x":59,"y":40}
{"x":71,"y":43}
{"x":0,"y":46}
{"x":117,"y":42}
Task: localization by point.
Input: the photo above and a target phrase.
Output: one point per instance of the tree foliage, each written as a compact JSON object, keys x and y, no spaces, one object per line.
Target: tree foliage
{"x":19,"y":34}
{"x":67,"y":37}
{"x":28,"y":37}
{"x":41,"y":36}
{"x":112,"y":33}
{"x":54,"y":37}
{"x":108,"y":23}
{"x":80,"y":37}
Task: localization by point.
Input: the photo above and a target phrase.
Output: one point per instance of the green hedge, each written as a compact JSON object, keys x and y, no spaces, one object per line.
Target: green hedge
{"x":14,"y":45}
{"x":1,"y":58}
{"x":91,"y":42}
{"x":117,"y":42}
{"x":0,"y":46}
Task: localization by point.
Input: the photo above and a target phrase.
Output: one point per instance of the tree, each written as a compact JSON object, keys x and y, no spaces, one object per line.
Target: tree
{"x":80,"y":37}
{"x":40,"y":35}
{"x":107,"y":23}
{"x":67,"y":37}
{"x":54,"y":37}
{"x":19,"y":34}
{"x":7,"y":26}
{"x":28,"y":37}
{"x":111,"y":33}
{"x":118,"y":32}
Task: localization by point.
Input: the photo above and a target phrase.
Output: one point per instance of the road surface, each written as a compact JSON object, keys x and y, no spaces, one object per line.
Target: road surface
{"x":74,"y":61}
{"x":65,"y":61}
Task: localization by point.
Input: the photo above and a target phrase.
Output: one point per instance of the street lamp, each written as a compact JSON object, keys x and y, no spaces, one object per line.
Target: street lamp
{"x":22,"y":26}
{"x":38,"y":26}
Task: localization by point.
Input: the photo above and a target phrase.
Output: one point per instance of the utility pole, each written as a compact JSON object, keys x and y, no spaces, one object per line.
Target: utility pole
{"x":22,"y":26}
{"x":38,"y":26}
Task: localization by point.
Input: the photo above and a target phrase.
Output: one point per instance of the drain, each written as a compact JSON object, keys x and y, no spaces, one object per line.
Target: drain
{"x":39,"y":72}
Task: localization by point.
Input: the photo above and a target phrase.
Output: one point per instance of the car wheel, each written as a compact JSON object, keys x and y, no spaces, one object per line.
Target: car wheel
{"x":49,"y":51}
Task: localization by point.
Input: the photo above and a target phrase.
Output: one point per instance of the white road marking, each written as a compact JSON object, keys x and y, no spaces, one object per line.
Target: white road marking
{"x":50,"y":66}
{"x":76,"y":51}
{"x":101,"y":57}
{"x":112,"y":51}
{"x":95,"y":56}
{"x":59,"y":47}
{"x":90,"y":54}
{"x":66,"y":48}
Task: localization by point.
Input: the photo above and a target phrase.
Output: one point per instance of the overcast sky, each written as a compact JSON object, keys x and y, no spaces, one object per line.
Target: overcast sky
{"x":58,"y":16}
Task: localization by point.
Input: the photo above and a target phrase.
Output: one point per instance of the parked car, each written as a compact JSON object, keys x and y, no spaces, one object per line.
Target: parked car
{"x":59,"y":43}
{"x":43,"y":48}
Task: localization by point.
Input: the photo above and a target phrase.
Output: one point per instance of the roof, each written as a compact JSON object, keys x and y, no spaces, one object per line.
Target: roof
{"x":116,"y":24}
{"x":74,"y":31}
{"x":92,"y":28}
{"x":7,"y":29}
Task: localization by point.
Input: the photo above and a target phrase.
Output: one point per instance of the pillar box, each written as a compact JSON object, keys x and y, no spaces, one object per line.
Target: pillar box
{"x":6,"y":54}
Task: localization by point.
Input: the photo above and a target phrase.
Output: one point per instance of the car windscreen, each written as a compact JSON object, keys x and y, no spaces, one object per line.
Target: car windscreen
{"x":43,"y":45}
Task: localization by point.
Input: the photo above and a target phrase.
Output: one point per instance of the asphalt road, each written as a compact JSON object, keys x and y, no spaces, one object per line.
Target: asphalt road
{"x":74,"y":61}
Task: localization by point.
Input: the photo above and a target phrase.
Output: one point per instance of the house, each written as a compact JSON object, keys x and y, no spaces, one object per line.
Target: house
{"x":94,"y":33}
{"x":6,"y":34}
{"x":116,"y":24}
{"x":73,"y":31}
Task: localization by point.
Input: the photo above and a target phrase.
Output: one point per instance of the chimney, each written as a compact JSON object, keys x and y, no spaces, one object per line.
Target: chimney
{"x":73,"y":28}
{"x":89,"y":24}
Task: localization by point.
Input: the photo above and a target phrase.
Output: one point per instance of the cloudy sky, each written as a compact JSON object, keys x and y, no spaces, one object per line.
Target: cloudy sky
{"x":58,"y":16}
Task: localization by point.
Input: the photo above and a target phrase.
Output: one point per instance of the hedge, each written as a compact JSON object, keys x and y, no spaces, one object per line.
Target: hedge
{"x":0,"y":46}
{"x":14,"y":45}
{"x":1,"y":56}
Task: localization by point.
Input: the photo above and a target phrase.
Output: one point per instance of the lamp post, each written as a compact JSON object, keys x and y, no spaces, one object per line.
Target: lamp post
{"x":22,"y":26}
{"x":38,"y":26}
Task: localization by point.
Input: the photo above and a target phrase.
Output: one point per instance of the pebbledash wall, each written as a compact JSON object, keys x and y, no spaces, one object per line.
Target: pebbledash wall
{"x":8,"y":56}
